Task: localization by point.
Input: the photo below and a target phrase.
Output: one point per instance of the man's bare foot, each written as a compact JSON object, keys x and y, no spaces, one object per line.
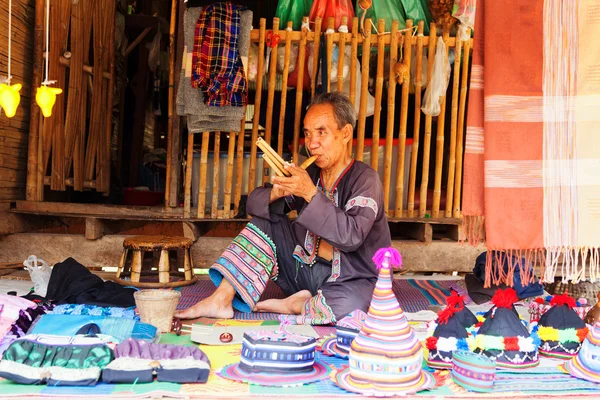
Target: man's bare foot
{"x":217,"y":305}
{"x":290,"y":305}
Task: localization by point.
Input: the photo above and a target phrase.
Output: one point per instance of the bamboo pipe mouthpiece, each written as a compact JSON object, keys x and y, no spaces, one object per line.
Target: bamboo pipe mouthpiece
{"x":308,"y":162}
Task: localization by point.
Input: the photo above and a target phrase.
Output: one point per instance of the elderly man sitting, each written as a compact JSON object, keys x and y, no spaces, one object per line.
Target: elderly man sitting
{"x":322,"y":260}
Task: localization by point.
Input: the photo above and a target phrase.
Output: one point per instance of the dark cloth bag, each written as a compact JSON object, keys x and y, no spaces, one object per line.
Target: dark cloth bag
{"x":71,"y":282}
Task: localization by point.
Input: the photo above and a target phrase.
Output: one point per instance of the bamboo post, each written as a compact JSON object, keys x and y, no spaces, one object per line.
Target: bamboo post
{"x":136,"y":265}
{"x":284,"y":84}
{"x":414,"y":156}
{"x":239,"y":166}
{"x":271,"y":92}
{"x":109,"y":100}
{"x":439,"y":147}
{"x":364,"y":91}
{"x":389,"y":134}
{"x":163,"y":266}
{"x":406,"y":54}
{"x":202,"y":175}
{"x":329,"y":33}
{"x":427,"y":133}
{"x":299,"y":85}
{"x":453,"y":119}
{"x":188,"y":266}
{"x":33,"y":192}
{"x":187,"y":196}
{"x":378,"y":94}
{"x":460,"y":129}
{"x":353,"y":61}
{"x":341,"y":55}
{"x":172,"y":52}
{"x":257,"y":98}
{"x":214,"y":213}
{"x":315,"y":54}
{"x":229,"y":176}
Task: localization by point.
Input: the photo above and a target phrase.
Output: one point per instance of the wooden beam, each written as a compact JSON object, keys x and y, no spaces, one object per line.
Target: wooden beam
{"x":457,"y":233}
{"x":138,"y":39}
{"x":94,"y":228}
{"x":422,"y":232}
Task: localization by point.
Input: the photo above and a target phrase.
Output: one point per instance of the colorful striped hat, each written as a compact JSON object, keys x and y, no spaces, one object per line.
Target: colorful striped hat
{"x":503,"y":337}
{"x":346,"y":330}
{"x":561,"y":329}
{"x":385,"y":358}
{"x":586,"y":364}
{"x":474,"y":372}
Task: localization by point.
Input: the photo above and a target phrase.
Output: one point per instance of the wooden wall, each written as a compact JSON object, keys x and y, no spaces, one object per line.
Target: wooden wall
{"x":14,"y":132}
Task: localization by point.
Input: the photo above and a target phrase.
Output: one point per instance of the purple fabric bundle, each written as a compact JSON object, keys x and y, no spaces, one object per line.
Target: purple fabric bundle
{"x":149,"y":351}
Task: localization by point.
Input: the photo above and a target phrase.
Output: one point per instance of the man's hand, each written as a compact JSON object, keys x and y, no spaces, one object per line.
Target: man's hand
{"x":299,"y":184}
{"x":277,"y":194}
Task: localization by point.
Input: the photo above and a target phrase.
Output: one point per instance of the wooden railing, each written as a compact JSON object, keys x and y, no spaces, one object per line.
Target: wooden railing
{"x":391,"y":47}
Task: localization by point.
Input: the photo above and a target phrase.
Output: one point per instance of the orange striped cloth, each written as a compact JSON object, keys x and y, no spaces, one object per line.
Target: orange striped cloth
{"x":531,"y":171}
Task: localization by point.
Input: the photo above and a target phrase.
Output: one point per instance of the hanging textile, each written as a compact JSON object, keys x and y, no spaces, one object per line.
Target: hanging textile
{"x":537,"y":110}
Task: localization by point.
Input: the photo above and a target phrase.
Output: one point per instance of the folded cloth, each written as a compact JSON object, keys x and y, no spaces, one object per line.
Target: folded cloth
{"x":84,"y":309}
{"x":118,"y":329}
{"x":55,"y":360}
{"x":190,"y":101}
{"x":136,"y":361}
{"x":71,"y":282}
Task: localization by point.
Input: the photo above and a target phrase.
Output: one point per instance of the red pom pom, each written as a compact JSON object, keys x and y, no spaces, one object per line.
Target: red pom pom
{"x":505,"y":298}
{"x":563,"y":299}
{"x":431,"y":343}
{"x":455,"y":299}
{"x":582,"y":333}
{"x":539,"y":300}
{"x":511,"y":343}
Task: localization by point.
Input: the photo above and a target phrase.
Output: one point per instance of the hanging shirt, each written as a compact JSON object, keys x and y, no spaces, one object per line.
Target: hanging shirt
{"x":216,"y":64}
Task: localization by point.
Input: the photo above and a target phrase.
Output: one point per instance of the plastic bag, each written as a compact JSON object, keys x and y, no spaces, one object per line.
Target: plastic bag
{"x":413,"y":71}
{"x":388,"y":10}
{"x":417,"y":11}
{"x":440,"y":77}
{"x":252,"y":62}
{"x":40,"y":273}
{"x":331,"y":8}
{"x":281,"y":58}
{"x":335,"y":55}
{"x":154,"y":53}
{"x":464,"y":11}
{"x":292,"y":10}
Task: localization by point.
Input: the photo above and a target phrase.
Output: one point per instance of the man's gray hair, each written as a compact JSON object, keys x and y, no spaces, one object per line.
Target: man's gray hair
{"x":342,"y":107}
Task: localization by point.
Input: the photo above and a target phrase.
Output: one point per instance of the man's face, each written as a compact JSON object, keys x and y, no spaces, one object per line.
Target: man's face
{"x":323,"y":137}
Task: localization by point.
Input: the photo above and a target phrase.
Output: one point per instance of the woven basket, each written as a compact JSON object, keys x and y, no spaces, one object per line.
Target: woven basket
{"x":583,"y":289}
{"x":157,"y":306}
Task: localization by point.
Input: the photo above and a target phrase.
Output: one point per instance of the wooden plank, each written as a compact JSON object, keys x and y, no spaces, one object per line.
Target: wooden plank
{"x":202,"y":175}
{"x":94,"y":228}
{"x":414,"y":156}
{"x":391,"y":109}
{"x":422,"y":232}
{"x":364,"y":92}
{"x":104,"y":185}
{"x":427,"y":133}
{"x":439,"y":147}
{"x":33,"y":191}
{"x":215,"y":189}
{"x":298,"y":105}
{"x":406,"y":55}
{"x":456,"y":213}
{"x":271,"y":92}
{"x":457,"y":233}
{"x":284,"y":85}
{"x":378,"y":95}
{"x":257,"y":99}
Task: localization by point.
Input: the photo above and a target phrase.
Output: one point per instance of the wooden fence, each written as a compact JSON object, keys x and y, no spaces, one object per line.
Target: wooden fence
{"x":402,"y":46}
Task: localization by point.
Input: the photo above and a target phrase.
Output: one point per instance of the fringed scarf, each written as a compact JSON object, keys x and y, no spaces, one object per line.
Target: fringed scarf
{"x":531,"y":169}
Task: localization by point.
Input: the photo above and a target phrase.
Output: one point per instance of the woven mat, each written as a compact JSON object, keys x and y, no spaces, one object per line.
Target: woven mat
{"x":413,"y":295}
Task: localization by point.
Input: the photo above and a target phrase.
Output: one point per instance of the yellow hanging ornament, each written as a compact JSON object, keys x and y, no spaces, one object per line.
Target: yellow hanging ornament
{"x":10,"y":98}
{"x":45,"y":96}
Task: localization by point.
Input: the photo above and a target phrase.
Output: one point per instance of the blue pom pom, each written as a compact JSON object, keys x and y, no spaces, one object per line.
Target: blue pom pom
{"x":462,"y":345}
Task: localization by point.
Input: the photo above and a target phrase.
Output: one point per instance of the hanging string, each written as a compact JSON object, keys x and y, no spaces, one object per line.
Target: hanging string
{"x":9,"y":77}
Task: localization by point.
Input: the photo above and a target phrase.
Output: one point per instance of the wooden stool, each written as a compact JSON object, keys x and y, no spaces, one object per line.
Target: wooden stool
{"x":145,"y":256}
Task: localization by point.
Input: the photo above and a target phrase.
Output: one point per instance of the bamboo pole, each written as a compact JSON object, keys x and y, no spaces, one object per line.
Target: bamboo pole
{"x":315,"y":53}
{"x":33,"y":192}
{"x":353,"y":61}
{"x":364,"y":91}
{"x":329,"y":33}
{"x":427,"y":133}
{"x":460,"y":129}
{"x":284,"y":84}
{"x":299,"y":85}
{"x":229,"y":176}
{"x":257,"y":98}
{"x":378,"y":94}
{"x":214,"y":213}
{"x":389,"y":134}
{"x":171,"y":98}
{"x":202,"y":175}
{"x":453,"y":120}
{"x":439,"y":149}
{"x":341,"y":56}
{"x":417,"y":121}
{"x":109,"y":97}
{"x":187,"y":196}
{"x":271,"y":91}
{"x":406,"y":54}
{"x":239,"y":166}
